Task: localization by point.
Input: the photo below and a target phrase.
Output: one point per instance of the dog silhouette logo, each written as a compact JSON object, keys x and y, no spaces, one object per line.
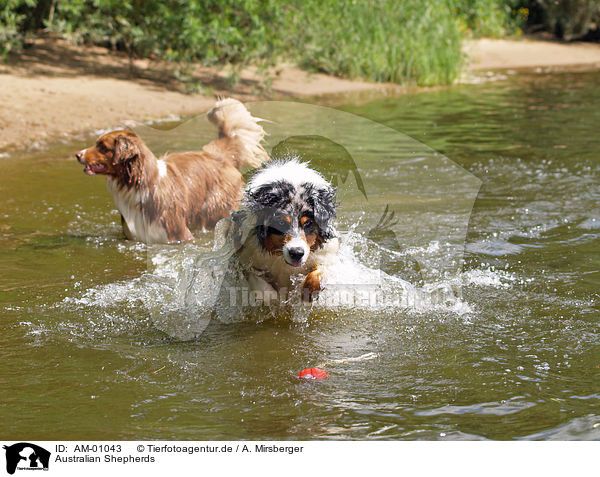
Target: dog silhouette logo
{"x":24,"y":455}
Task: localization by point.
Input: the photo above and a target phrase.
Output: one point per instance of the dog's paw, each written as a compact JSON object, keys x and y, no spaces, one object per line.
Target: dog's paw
{"x":311,"y":285}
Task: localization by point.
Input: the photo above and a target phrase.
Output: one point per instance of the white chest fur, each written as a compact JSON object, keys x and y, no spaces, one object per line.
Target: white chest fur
{"x":130,"y":203}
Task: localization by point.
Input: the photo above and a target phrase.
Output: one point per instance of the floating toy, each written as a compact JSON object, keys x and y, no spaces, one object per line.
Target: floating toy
{"x":313,"y":373}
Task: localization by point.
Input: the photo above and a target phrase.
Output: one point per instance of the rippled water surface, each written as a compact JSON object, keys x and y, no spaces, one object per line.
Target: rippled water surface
{"x":501,"y":342}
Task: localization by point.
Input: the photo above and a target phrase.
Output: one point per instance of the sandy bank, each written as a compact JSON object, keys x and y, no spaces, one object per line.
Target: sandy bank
{"x":488,"y":54}
{"x":55,"y":89}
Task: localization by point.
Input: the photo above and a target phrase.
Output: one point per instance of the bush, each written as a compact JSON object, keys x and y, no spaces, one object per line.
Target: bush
{"x":12,"y":16}
{"x":569,"y":18}
{"x":492,"y":18}
{"x":209,"y":31}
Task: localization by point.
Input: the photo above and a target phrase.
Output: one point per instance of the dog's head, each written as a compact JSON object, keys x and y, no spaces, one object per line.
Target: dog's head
{"x":294,"y":208}
{"x":112,"y":152}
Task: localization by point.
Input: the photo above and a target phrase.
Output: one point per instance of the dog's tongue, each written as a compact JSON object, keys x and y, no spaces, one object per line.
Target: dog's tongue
{"x":93,"y":169}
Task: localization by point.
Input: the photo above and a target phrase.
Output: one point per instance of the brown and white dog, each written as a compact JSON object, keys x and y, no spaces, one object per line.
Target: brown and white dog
{"x":284,"y":232}
{"x":162,"y":200}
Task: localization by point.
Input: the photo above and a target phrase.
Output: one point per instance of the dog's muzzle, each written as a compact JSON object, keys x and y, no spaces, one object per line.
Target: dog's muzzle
{"x":295,"y":252}
{"x":79,"y":155}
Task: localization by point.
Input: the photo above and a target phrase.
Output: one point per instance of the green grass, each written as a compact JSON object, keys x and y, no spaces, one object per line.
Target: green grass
{"x":402,"y":42}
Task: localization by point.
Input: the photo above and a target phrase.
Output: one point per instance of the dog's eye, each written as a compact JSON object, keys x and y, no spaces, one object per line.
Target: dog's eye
{"x":306,"y":223}
{"x":279,"y":225}
{"x":101,"y":148}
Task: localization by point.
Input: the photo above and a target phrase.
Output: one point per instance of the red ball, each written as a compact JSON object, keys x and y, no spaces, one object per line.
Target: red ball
{"x":313,"y":373}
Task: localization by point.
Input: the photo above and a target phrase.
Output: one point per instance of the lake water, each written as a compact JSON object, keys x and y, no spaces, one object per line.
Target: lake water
{"x":492,"y":252}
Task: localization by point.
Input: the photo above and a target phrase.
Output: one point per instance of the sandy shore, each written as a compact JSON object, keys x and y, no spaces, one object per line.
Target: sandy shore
{"x":55,"y":89}
{"x":487,"y":54}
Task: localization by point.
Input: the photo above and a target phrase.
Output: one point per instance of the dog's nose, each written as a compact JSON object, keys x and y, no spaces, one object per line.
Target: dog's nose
{"x":296,"y":253}
{"x":79,"y":156}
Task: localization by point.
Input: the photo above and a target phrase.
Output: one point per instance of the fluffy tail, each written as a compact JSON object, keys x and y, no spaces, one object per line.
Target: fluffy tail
{"x":232,"y":119}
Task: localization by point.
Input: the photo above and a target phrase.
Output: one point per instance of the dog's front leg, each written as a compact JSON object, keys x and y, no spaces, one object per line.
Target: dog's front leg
{"x":178,"y":231}
{"x":126,"y":231}
{"x":312,"y":285}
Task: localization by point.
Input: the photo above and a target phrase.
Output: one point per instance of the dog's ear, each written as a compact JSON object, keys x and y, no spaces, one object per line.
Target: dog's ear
{"x":125,"y":150}
{"x":324,"y":211}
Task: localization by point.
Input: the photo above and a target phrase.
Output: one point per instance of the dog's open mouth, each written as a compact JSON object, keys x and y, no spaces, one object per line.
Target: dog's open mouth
{"x":92,"y":169}
{"x":294,"y":263}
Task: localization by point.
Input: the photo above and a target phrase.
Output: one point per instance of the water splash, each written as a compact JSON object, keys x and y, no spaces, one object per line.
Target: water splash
{"x":187,"y":288}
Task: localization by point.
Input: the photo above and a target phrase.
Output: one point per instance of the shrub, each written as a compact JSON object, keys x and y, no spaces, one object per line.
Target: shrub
{"x":569,"y":18}
{"x":492,"y":18}
{"x":12,"y":16}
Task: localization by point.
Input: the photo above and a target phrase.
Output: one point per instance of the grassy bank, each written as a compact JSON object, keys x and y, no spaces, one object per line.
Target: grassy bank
{"x":408,"y":41}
